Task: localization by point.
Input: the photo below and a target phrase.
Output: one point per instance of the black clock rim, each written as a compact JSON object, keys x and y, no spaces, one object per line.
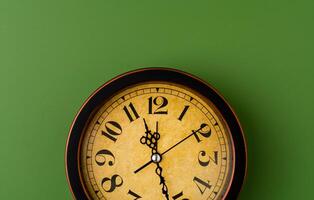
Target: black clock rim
{"x":144,"y":75}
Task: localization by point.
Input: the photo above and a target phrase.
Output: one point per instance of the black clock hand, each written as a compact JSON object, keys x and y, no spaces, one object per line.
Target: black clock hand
{"x":162,"y":181}
{"x":144,"y":140}
{"x":159,"y":168}
{"x":145,"y":165}
{"x":193,"y":132}
{"x":151,"y":140}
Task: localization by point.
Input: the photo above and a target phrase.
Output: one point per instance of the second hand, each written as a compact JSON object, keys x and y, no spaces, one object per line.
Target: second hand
{"x":148,"y":163}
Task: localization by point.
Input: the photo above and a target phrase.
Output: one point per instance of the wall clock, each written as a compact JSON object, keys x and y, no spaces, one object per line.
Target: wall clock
{"x":155,"y":133}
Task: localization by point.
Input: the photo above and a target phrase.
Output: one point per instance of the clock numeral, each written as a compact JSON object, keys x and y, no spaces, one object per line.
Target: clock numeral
{"x":160,"y":101}
{"x":115,"y":181}
{"x":100,"y":157}
{"x":113,"y":129}
{"x":133,"y":111}
{"x":202,"y":185}
{"x":179,"y":196}
{"x":134,"y":195}
{"x":206,"y":163}
{"x":205,"y":132}
{"x":183,"y":113}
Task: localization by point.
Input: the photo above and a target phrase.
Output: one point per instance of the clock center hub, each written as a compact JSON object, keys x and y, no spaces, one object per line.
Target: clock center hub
{"x":156,"y":157}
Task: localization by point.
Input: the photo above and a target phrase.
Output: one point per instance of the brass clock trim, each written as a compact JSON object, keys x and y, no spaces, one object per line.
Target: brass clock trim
{"x":122,"y":81}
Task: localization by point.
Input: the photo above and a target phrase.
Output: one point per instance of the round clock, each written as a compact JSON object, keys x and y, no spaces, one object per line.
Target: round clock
{"x":155,"y":133}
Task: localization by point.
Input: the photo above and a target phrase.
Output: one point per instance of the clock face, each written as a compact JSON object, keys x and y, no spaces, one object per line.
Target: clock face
{"x":117,"y":143}
{"x":155,"y":138}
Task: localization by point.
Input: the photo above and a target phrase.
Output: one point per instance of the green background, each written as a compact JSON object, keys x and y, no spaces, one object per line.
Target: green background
{"x":258,"y":54}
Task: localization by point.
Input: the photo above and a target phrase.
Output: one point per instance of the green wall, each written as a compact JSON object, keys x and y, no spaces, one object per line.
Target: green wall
{"x":258,"y":54}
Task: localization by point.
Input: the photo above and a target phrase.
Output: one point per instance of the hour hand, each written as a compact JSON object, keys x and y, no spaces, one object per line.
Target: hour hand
{"x":148,"y":135}
{"x":150,"y":139}
{"x":146,"y":127}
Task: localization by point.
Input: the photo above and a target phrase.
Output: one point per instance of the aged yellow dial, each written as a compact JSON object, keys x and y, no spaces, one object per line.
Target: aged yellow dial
{"x":156,"y":140}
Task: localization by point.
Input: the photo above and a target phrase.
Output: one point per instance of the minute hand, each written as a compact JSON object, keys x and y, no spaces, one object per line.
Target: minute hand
{"x":193,"y":132}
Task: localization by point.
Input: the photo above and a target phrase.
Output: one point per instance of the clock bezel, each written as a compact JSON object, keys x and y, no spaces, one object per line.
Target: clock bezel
{"x":147,"y":75}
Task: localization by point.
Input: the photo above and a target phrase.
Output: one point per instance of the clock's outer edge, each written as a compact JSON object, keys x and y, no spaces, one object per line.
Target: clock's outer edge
{"x":151,"y":74}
